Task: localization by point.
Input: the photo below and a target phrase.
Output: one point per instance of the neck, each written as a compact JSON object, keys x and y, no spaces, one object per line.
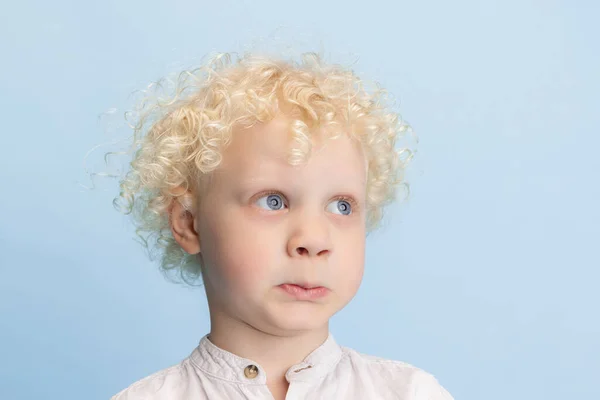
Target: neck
{"x":275,"y":353}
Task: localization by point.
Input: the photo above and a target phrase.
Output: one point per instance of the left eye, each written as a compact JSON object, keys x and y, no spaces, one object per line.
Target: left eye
{"x":342,"y":207}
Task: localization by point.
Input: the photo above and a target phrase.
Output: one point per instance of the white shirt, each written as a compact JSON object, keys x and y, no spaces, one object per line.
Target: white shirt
{"x":329,"y":372}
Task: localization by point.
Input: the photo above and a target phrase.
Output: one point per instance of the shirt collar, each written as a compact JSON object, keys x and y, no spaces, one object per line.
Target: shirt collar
{"x":227,"y":366}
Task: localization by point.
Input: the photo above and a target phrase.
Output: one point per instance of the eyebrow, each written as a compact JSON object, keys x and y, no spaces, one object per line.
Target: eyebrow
{"x":256,"y":183}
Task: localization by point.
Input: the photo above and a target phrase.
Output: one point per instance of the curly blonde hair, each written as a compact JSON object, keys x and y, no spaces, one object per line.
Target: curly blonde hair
{"x":179,"y":140}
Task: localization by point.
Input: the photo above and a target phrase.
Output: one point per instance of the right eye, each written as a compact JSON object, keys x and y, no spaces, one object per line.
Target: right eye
{"x":271,"y":201}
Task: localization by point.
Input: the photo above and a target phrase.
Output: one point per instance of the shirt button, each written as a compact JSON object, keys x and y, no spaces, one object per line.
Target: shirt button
{"x":251,"y":371}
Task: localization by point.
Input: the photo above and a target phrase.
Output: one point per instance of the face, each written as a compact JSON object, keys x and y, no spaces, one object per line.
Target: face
{"x":264,"y":223}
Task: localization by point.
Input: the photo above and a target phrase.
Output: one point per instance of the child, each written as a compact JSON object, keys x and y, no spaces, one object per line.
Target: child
{"x":263,"y":181}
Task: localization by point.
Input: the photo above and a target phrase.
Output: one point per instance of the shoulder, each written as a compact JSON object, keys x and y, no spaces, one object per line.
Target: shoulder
{"x":163,"y":384}
{"x":418,"y":383}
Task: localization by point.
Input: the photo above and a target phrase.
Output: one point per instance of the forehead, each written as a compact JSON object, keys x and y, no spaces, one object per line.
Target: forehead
{"x":263,"y":151}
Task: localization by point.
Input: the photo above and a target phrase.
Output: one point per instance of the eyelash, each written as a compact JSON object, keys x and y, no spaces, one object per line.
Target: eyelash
{"x":350,"y":200}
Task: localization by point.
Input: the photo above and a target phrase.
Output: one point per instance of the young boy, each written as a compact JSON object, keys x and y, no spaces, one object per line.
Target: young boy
{"x":264,"y":181}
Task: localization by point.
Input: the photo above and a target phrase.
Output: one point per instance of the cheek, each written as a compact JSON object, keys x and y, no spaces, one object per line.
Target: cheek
{"x":238,"y":255}
{"x":353,"y":261}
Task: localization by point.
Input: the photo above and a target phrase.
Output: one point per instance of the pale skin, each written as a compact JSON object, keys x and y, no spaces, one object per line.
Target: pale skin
{"x":262,"y":223}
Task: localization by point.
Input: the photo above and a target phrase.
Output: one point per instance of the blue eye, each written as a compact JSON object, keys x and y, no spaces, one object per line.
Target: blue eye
{"x":343,"y":207}
{"x":271,"y":202}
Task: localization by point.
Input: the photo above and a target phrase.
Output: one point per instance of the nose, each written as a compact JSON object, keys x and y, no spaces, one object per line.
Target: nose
{"x":310,"y":239}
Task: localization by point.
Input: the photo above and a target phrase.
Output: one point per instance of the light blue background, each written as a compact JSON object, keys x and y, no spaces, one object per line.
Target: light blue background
{"x":487,"y":277}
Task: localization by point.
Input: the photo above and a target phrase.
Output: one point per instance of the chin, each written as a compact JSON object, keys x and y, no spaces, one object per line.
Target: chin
{"x":301,"y":318}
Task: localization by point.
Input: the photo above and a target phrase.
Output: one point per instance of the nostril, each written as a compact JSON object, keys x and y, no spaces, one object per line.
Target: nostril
{"x":301,"y":250}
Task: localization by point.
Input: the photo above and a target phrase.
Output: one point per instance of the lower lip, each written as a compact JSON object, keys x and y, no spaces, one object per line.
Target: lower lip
{"x":304,"y":294}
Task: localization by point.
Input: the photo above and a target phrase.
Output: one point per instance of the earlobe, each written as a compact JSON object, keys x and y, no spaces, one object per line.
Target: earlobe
{"x":183,"y":226}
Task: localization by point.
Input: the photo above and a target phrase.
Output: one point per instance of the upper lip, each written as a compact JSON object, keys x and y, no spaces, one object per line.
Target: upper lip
{"x":305,"y":285}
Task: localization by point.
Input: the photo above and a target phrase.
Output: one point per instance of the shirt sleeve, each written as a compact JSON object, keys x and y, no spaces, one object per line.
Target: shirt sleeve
{"x":426,"y":387}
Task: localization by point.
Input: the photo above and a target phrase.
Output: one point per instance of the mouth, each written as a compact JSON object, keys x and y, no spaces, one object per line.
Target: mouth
{"x":304,"y":291}
{"x":304,"y":285}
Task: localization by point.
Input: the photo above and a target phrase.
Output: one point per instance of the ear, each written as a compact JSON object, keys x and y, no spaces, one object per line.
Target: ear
{"x":183,"y":223}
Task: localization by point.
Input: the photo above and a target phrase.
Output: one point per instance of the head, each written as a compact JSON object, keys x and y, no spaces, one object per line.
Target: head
{"x":267,"y":173}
